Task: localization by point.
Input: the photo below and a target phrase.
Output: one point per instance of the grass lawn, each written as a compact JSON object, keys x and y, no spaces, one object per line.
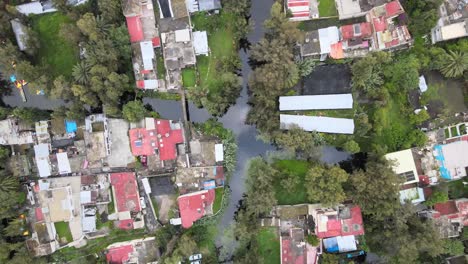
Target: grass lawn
{"x":457,"y":189}
{"x":63,"y":231}
{"x":189,"y":77}
{"x":295,"y":168}
{"x":446,"y":90}
{"x":55,"y":52}
{"x":269,"y":245}
{"x":218,"y":202}
{"x":220,"y":41}
{"x":327,"y":8}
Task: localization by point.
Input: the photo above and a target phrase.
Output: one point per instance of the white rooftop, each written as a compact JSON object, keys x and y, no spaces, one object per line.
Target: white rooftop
{"x":147,"y":54}
{"x":403,"y":163}
{"x":20,"y":34}
{"x":422,"y":84}
{"x":456,"y":158}
{"x":316,"y":102}
{"x":219,"y":152}
{"x":453,"y":31}
{"x":318,"y":123}
{"x":200,"y":43}
{"x":327,"y":37}
{"x":182,"y":35}
{"x":348,"y":8}
{"x":63,"y":163}
{"x":30,"y":8}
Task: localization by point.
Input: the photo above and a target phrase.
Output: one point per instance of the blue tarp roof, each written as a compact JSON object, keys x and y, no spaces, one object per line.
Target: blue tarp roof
{"x":211,"y":184}
{"x":70,"y":126}
{"x":444,"y":172}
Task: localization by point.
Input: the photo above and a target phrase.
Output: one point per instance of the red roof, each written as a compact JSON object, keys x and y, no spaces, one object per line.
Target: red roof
{"x":135,"y":29}
{"x":347,"y":31}
{"x":39,"y":214}
{"x":119,"y":255}
{"x":380,"y":24}
{"x":125,"y":191}
{"x":343,"y":226}
{"x":192,"y":206}
{"x":156,"y":42}
{"x":446,"y":208}
{"x":289,"y":255}
{"x":424,"y":179}
{"x":337,"y":51}
{"x":145,"y":142}
{"x":126,"y":224}
{"x":393,"y":8}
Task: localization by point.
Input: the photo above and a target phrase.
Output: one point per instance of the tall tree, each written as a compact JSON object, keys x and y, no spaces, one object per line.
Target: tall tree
{"x":378,"y":180}
{"x":261,"y":196}
{"x":134,"y":111}
{"x":456,"y":64}
{"x":81,"y":72}
{"x":325,"y":185}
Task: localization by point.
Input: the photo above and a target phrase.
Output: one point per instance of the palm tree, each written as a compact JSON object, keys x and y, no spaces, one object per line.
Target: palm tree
{"x":102,"y":25}
{"x":81,"y":72}
{"x":456,"y":64}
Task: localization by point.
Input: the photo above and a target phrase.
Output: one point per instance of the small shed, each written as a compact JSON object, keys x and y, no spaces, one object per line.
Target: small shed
{"x":200,"y":43}
{"x":219,"y":152}
{"x":20,"y":34}
{"x":63,"y":163}
{"x":422,"y":84}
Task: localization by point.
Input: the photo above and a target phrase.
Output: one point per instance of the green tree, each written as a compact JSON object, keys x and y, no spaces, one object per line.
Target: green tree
{"x":89,"y":26}
{"x":419,"y":118}
{"x":9,"y":191}
{"x":437,"y":197}
{"x":385,"y":185}
{"x":328,"y":259}
{"x":61,"y":89}
{"x":307,"y":66}
{"x":70,"y":32}
{"x":134,"y":111}
{"x":76,"y":112}
{"x":422,"y":15}
{"x":30,"y":115}
{"x":110,"y":10}
{"x":304,"y":144}
{"x":325,"y":185}
{"x":261,"y":196}
{"x":351,"y":146}
{"x":81,"y":72}
{"x":367,"y":73}
{"x":456,"y":64}
{"x":4,"y":112}
{"x":453,"y":247}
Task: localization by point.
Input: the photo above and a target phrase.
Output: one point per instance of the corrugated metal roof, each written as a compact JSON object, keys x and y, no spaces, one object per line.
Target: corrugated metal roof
{"x":63,"y":163}
{"x":20,"y":34}
{"x":205,"y":5}
{"x":182,"y":35}
{"x":327,"y":37}
{"x":147,"y":54}
{"x":200,"y":43}
{"x":319,"y":124}
{"x":316,"y":102}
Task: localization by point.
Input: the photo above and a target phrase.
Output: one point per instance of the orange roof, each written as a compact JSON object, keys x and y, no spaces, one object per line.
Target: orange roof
{"x":337,"y":51}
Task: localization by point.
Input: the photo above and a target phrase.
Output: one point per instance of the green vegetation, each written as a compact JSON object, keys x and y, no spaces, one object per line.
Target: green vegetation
{"x":189,"y":77}
{"x":217,"y":85}
{"x":269,"y":245}
{"x":327,"y":8}
{"x":294,"y":171}
{"x":462,"y":129}
{"x":456,"y":189}
{"x":96,"y":246}
{"x":55,"y":52}
{"x":447,"y":133}
{"x":219,"y":193}
{"x":454,"y":131}
{"x":316,"y":24}
{"x":346,"y":113}
{"x":111,"y":205}
{"x":63,"y":231}
{"x":160,"y":67}
{"x":313,"y":240}
{"x":155,"y":205}
{"x":448,"y":92}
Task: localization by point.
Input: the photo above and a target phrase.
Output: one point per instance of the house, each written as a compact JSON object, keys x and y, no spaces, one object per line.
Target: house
{"x":144,"y":38}
{"x":452,"y":158}
{"x":318,"y":123}
{"x":316,"y":102}
{"x":341,"y":221}
{"x":12,"y":133}
{"x":127,"y":200}
{"x":404,"y":165}
{"x":203,"y":5}
{"x":356,"y":8}
{"x":327,"y":37}
{"x":310,"y":47}
{"x":41,"y":154}
{"x":56,"y":205}
{"x":449,"y":217}
{"x":41,"y":7}
{"x":294,"y":250}
{"x":142,"y":250}
{"x":302,"y":9}
{"x":200,"y":43}
{"x":451,"y":31}
{"x":194,"y":206}
{"x":159,"y":137}
{"x":453,"y":15}
{"x":20,"y":34}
